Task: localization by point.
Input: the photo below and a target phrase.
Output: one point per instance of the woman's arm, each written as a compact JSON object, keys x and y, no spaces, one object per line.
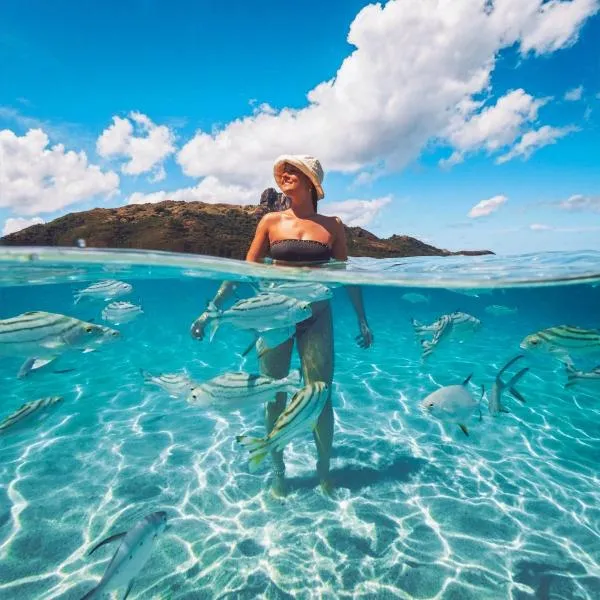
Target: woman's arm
{"x":260,"y":244}
{"x":257,"y":251}
{"x":340,"y":252}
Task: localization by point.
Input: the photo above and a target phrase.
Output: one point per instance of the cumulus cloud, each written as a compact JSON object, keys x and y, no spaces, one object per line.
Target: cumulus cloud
{"x":493,"y":127}
{"x":574,"y":94}
{"x":35,"y":178}
{"x":554,"y":24}
{"x":355,"y":213}
{"x":413,"y":78}
{"x":209,"y":190}
{"x":533,"y":140}
{"x":487,"y":207}
{"x":138,"y":139}
{"x":12,"y":225}
{"x":581,"y":203}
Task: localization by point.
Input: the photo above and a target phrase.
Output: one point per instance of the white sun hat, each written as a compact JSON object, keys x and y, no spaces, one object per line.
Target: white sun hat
{"x":309,"y":165}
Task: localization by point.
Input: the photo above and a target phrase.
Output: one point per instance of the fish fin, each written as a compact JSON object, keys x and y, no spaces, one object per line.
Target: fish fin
{"x":88,"y":350}
{"x":516,"y":394}
{"x":256,"y":460}
{"x":509,"y":364}
{"x":26,"y":368}
{"x":464,"y":429}
{"x":480,"y":399}
{"x":128,"y":589}
{"x":515,"y":378}
{"x":427,"y":348}
{"x":251,"y":346}
{"x":41,"y":362}
{"x":418,"y":326}
{"x":571,"y":375}
{"x":112,"y":538}
{"x":212,"y":329}
{"x":78,"y":297}
{"x":466,"y":381}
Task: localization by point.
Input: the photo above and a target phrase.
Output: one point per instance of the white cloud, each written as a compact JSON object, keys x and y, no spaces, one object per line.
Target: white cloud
{"x":209,"y":190}
{"x":574,"y":94}
{"x":578,"y":202}
{"x":493,"y":127}
{"x":35,"y":178}
{"x":411,"y":80}
{"x":12,"y":225}
{"x":556,"y":24}
{"x":137,"y":138}
{"x":487,"y":207}
{"x":533,"y":140}
{"x":540,"y":227}
{"x":355,"y":213}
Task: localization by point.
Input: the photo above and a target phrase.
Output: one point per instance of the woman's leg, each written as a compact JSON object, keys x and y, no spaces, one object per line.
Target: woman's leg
{"x":315,"y":346}
{"x":276,"y":363}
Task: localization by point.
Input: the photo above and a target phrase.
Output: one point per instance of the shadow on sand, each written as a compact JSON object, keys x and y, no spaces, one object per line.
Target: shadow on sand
{"x":354,"y":478}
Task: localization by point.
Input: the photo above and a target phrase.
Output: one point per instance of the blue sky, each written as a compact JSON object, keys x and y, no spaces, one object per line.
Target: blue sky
{"x":463,"y":126}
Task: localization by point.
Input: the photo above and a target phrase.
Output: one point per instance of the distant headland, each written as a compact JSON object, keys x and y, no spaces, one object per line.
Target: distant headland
{"x":195,"y":227}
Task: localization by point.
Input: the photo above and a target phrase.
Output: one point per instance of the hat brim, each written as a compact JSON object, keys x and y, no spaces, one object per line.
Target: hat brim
{"x":292,"y":160}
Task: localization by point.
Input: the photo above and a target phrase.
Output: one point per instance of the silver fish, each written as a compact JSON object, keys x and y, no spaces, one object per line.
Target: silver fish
{"x":176,"y":385}
{"x":452,"y":403}
{"x":498,"y":310}
{"x":42,"y":337}
{"x":105,"y":290}
{"x":301,"y":414}
{"x":233,"y":390}
{"x":305,"y":291}
{"x":121,"y":312}
{"x":574,"y":376}
{"x":29,"y":412}
{"x":131,"y":555}
{"x":414,"y":298}
{"x":260,"y":313}
{"x":563,"y":341}
{"x":447,"y":326}
{"x":495,"y":402}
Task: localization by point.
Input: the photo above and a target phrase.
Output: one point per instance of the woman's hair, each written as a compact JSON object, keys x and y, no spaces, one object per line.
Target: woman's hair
{"x":315,"y":198}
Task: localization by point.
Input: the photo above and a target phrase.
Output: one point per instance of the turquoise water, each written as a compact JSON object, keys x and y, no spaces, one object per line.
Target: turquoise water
{"x":420,"y":510}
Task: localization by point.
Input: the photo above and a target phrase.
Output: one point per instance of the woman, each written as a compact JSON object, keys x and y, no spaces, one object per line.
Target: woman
{"x":299,"y":235}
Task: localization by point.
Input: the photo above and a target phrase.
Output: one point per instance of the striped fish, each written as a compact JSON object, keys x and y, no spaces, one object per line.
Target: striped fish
{"x":176,"y":385}
{"x":301,"y":414}
{"x":45,"y":336}
{"x":447,"y":326}
{"x":233,"y":390}
{"x":563,"y":340}
{"x":121,"y":312}
{"x":29,"y":412}
{"x":305,"y":291}
{"x":574,"y":376}
{"x":259,"y":313}
{"x":105,"y":290}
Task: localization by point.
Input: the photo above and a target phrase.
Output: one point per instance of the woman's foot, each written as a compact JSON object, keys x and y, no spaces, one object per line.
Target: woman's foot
{"x":279,"y":486}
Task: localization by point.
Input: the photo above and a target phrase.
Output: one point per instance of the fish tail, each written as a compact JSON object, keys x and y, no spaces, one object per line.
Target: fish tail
{"x":256,"y":459}
{"x":78,"y":297}
{"x":251,"y":443}
{"x":146,"y":375}
{"x":513,"y":381}
{"x":417,"y":325}
{"x":294,"y":378}
{"x":571,"y":375}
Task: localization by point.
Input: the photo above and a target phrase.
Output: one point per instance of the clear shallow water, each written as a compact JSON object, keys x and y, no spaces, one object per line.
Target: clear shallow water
{"x":421,"y":511}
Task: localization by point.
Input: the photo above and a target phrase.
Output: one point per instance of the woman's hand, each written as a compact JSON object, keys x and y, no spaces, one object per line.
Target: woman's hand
{"x":198,"y":326}
{"x":365,"y":338}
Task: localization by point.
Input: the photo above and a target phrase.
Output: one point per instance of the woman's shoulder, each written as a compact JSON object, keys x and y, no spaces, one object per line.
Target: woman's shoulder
{"x":332,"y":222}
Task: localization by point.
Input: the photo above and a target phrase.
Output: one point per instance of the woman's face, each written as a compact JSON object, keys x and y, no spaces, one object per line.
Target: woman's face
{"x":292,"y":180}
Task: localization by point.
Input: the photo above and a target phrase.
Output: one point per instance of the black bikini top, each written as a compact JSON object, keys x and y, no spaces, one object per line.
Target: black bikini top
{"x":300,"y":251}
